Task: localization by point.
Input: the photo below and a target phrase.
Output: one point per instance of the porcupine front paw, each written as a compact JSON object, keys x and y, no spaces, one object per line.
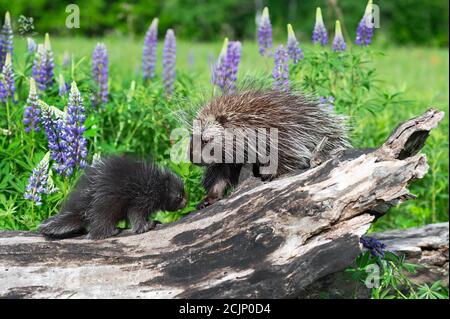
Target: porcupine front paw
{"x":143,"y":228}
{"x":207,"y":201}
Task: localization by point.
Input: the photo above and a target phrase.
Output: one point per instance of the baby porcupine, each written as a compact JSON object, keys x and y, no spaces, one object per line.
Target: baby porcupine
{"x":112,"y":189}
{"x":302,"y":124}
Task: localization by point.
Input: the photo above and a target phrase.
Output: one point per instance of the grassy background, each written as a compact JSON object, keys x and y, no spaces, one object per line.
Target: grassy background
{"x":420,"y":73}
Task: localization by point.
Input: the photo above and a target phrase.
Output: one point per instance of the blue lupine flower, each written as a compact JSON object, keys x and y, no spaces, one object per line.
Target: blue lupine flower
{"x":38,"y":70}
{"x":375,"y":247}
{"x":74,"y":142}
{"x":338,"y":41}
{"x":100,"y":73}
{"x":224,"y":72}
{"x":7,"y":77}
{"x":32,"y":111}
{"x":3,"y":89}
{"x":265,"y":34}
{"x":149,"y":50}
{"x":320,"y":34}
{"x":49,"y":63}
{"x":31,"y":45}
{"x":217,"y":69}
{"x":293,"y":47}
{"x":66,"y":59}
{"x":327,"y":102}
{"x":6,"y":40}
{"x":62,"y":85}
{"x":38,"y":181}
{"x":169,"y":60}
{"x":281,"y":70}
{"x":53,"y":122}
{"x":365,"y":29}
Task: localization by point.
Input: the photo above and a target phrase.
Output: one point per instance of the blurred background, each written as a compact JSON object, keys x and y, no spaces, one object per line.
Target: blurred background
{"x":403,"y":22}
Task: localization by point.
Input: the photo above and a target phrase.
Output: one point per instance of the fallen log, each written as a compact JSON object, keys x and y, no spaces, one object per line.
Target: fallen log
{"x":266,"y":240}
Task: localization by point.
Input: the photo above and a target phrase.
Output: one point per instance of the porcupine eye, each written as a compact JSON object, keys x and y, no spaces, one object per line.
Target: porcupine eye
{"x":221,"y":119}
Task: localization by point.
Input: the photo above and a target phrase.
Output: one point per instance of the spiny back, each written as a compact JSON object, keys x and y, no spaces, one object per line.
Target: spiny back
{"x":301,"y":122}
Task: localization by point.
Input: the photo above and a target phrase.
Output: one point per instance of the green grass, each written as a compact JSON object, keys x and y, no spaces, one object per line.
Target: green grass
{"x":420,"y":73}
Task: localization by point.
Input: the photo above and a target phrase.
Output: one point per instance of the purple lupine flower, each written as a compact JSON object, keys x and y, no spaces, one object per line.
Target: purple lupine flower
{"x":233,"y":58}
{"x":3,"y":90}
{"x":169,"y":60}
{"x":320,"y":34}
{"x":49,"y":64}
{"x":224,"y":72}
{"x":6,"y":40}
{"x":38,"y":70}
{"x":32,"y":112}
{"x":293,"y":47}
{"x":38,"y":181}
{"x":74,"y":141}
{"x":54,"y":127}
{"x":365,"y":29}
{"x":62,"y":85}
{"x":8,"y":77}
{"x":265,"y":34}
{"x":149,"y":50}
{"x":338,"y":41}
{"x":66,"y":59}
{"x":375,"y":247}
{"x":31,"y":45}
{"x":281,"y":70}
{"x":100,"y":73}
{"x":217,"y":68}
{"x":327,"y":102}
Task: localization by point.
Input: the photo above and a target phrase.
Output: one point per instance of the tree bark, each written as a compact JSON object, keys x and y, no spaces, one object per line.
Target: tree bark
{"x":266,"y":240}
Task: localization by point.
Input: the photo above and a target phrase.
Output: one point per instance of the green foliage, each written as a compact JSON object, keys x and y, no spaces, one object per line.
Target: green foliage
{"x":136,"y":121}
{"x":388,"y":278}
{"x":401,"y":21}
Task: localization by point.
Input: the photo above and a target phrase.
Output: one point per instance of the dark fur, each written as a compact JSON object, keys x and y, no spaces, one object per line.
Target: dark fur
{"x":113,"y":189}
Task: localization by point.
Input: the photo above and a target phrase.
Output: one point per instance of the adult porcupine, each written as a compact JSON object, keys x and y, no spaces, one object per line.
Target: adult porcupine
{"x":302,"y":124}
{"x":112,"y":189}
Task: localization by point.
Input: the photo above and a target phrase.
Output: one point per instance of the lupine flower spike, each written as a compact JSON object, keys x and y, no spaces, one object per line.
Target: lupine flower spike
{"x":31,"y":45}
{"x":365,"y":29}
{"x":265,"y":34}
{"x":149,"y":50}
{"x":217,"y":69}
{"x":100,"y":73}
{"x":338,"y":41}
{"x":49,"y":63}
{"x":62,"y":85}
{"x":169,"y":60}
{"x":233,"y":57}
{"x":76,"y":144}
{"x":224,"y":73}
{"x":281,"y":70}
{"x":7,"y":77}
{"x":53,"y":122}
{"x":66,"y":59}
{"x":38,"y":181}
{"x":38,"y":70}
{"x":293,"y":47}
{"x":32,"y":111}
{"x":320,"y":34}
{"x":6,"y":40}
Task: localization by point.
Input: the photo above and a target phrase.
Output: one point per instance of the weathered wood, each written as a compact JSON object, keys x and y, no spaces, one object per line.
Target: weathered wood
{"x":426,"y":246}
{"x":265,"y":240}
